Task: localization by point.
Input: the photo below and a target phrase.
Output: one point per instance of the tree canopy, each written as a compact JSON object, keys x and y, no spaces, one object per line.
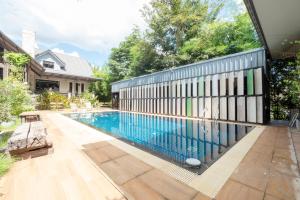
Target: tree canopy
{"x":179,"y":32}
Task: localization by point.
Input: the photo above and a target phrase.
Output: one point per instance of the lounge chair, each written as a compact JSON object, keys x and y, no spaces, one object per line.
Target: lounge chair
{"x":88,"y":106}
{"x":74,"y":107}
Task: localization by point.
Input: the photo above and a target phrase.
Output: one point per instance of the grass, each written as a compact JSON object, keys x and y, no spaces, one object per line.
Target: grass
{"x":6,"y":161}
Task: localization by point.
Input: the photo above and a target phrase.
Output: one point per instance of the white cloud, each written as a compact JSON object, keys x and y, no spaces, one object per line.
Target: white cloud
{"x":73,"y":53}
{"x":90,"y":24}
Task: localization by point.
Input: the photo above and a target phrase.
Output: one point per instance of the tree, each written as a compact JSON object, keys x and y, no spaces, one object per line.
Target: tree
{"x":102,"y":87}
{"x":17,"y":63}
{"x":284,"y":86}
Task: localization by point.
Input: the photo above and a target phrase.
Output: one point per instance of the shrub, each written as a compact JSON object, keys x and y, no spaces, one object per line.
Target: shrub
{"x":47,"y":97}
{"x":88,"y":96}
{"x":14,"y":99}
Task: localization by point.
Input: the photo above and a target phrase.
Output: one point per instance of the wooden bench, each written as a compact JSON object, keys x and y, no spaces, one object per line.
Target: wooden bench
{"x":27,"y":137}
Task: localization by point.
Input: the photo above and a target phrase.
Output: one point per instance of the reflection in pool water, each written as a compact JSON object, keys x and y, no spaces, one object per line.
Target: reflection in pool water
{"x":173,"y":139}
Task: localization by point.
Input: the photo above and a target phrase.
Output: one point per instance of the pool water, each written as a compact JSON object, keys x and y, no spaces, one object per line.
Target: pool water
{"x":173,"y":139}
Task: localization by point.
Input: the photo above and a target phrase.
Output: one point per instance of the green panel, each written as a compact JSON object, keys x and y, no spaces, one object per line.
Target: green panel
{"x":250,"y":81}
{"x":201,"y":86}
{"x":189,"y":107}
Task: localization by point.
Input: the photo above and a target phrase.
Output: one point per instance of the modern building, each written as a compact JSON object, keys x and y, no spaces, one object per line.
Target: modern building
{"x":66,"y":74}
{"x":230,"y":88}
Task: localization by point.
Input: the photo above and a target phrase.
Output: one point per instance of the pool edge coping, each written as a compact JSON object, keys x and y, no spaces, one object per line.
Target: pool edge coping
{"x":211,"y":180}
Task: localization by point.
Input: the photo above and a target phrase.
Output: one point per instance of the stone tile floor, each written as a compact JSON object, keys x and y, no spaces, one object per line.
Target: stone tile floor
{"x":268,"y":171}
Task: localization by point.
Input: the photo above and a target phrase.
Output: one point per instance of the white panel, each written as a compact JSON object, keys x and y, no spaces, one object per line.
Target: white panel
{"x":215,"y":107}
{"x":165,"y":106}
{"x":207,"y":86}
{"x":189,"y":87}
{"x":258,"y":83}
{"x":162,"y":106}
{"x":207,"y":107}
{"x":231,"y":83}
{"x":173,"y":88}
{"x":154,"y":106}
{"x":240,"y":83}
{"x":178,"y":107}
{"x":231,"y":108}
{"x":174,"y":106}
{"x":166,"y":90}
{"x":195,"y":106}
{"x":259,"y":109}
{"x":154,"y":92}
{"x":215,"y":91}
{"x":158,"y":106}
{"x":251,"y":109}
{"x":223,"y":108}
{"x":161,"y":90}
{"x":183,"y":106}
{"x":183,"y":82}
{"x":241,"y":109}
{"x":178,"y":89}
{"x":170,"y":106}
{"x":222,"y":84}
{"x":194,"y":87}
{"x":151,"y":106}
{"x":148,"y":105}
{"x":200,"y":107}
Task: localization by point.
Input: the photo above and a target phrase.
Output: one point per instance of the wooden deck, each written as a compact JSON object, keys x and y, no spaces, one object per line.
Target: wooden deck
{"x":100,"y":170}
{"x":64,"y":174}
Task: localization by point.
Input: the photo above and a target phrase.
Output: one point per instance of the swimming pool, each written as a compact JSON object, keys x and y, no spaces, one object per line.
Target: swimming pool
{"x":173,"y":139}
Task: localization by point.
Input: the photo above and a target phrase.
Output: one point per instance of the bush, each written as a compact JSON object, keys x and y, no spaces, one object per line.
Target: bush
{"x":87,"y":96}
{"x":47,"y":97}
{"x":14,"y":99}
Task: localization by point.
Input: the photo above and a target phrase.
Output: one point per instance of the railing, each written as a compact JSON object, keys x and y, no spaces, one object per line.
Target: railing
{"x":233,"y":62}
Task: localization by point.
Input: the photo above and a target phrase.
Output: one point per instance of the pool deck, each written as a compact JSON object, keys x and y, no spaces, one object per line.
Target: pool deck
{"x":87,"y":164}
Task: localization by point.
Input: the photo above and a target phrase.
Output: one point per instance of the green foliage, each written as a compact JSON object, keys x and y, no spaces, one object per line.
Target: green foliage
{"x":179,"y":32}
{"x":284,"y":87}
{"x":102,"y":87}
{"x":17,"y":62}
{"x":48,"y":98}
{"x":90,"y":97}
{"x":14,"y":99}
{"x":6,"y":162}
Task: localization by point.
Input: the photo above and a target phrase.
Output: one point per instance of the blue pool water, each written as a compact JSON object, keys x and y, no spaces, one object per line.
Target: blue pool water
{"x":170,"y":138}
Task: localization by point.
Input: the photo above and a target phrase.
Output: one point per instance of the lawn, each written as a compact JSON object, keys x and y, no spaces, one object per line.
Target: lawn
{"x":6,"y":161}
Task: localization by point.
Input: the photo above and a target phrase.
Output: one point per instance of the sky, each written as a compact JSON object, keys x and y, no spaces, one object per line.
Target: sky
{"x":85,"y":28}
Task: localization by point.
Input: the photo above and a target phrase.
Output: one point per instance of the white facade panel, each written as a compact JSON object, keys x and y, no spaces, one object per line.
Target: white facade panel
{"x":215,"y":85}
{"x":223,"y":108}
{"x":251,"y":109}
{"x":241,"y":109}
{"x":240,"y":83}
{"x":231,"y":108}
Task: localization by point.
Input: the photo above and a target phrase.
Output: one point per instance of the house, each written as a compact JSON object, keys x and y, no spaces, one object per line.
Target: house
{"x":48,"y":70}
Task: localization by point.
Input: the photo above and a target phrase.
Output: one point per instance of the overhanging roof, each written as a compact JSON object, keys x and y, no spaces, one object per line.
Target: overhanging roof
{"x":277,"y":23}
{"x":11,"y":46}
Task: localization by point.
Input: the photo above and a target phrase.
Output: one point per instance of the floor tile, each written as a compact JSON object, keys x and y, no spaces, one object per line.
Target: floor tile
{"x":269,"y":197}
{"x":201,"y":196}
{"x":286,"y":166}
{"x":234,"y":190}
{"x":95,"y":145}
{"x":124,"y":168}
{"x":252,"y":174}
{"x":167,"y":186}
{"x":283,"y":186}
{"x":137,"y":189}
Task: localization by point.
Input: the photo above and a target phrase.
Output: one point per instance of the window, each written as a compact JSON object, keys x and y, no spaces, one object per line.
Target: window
{"x":48,"y":64}
{"x":82,"y":88}
{"x":42,"y":85}
{"x":77,"y":88}
{"x":70,"y":87}
{"x":1,"y":73}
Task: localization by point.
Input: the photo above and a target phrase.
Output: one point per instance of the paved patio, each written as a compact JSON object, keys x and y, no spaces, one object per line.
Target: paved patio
{"x":101,"y":170}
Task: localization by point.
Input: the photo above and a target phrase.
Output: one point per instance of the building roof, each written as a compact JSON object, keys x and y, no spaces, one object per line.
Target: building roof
{"x":277,"y":25}
{"x":74,"y":66}
{"x":9,"y":45}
